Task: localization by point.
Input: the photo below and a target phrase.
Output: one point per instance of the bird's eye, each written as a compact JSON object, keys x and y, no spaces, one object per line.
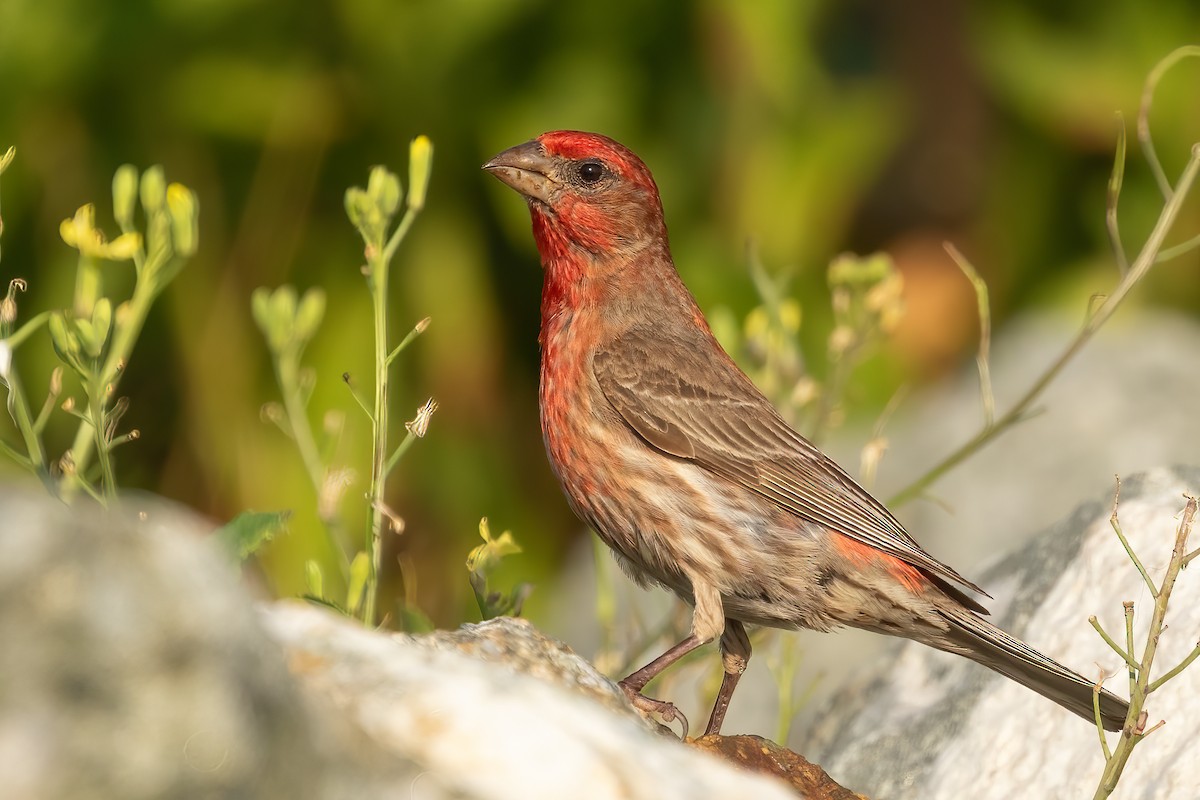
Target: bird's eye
{"x":591,"y":171}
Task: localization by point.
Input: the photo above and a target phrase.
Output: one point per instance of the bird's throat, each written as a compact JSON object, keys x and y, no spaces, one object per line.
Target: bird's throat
{"x":565,"y":268}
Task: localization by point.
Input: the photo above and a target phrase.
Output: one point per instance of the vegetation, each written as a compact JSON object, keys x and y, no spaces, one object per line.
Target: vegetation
{"x":811,"y":129}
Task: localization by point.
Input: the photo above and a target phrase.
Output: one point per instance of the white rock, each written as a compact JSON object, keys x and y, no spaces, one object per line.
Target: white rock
{"x":929,"y":725}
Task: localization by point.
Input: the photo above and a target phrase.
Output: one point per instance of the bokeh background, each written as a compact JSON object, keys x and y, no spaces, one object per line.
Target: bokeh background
{"x":809,"y":128}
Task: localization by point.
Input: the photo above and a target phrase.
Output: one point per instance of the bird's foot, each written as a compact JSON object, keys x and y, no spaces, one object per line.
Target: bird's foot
{"x":649,"y":705}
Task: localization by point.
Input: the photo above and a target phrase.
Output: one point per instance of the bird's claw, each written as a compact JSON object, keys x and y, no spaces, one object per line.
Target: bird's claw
{"x":649,"y":705}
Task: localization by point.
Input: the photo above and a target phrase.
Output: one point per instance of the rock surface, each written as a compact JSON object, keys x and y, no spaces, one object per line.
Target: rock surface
{"x":928,"y":725}
{"x":132,"y":666}
{"x":135,"y":666}
{"x":472,"y":710}
{"x":762,"y":755}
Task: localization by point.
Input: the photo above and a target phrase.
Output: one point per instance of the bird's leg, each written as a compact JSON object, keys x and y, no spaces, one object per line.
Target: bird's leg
{"x":708,"y":620}
{"x":735,"y":654}
{"x":633,"y":685}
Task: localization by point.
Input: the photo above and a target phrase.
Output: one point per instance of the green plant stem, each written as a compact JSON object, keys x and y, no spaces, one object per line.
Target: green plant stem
{"x":1180,"y":249}
{"x":379,"y":429}
{"x":1099,"y":722}
{"x":1137,"y":562}
{"x":1178,"y":668}
{"x":1116,"y":179}
{"x":1142,"y":687}
{"x":983,"y":356}
{"x":1133,"y":670}
{"x":30,"y":327}
{"x":1129,"y":660}
{"x":35,"y":455}
{"x":417,"y":330}
{"x":379,"y":263}
{"x":399,"y":452}
{"x":97,"y":408}
{"x":287,"y":366}
{"x":835,"y":388}
{"x":1160,"y":69}
{"x":1145,"y":260}
{"x":125,"y":336}
{"x":288,"y":374}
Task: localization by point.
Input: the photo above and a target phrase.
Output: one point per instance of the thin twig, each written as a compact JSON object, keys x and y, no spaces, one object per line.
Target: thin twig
{"x":1114,"y":193}
{"x":1143,"y":126}
{"x":1145,"y":260}
{"x":1116,"y":526}
{"x":983,"y":357}
{"x":1135,"y":730}
{"x":1134,"y":668}
{"x":1099,"y":722}
{"x":1116,"y":648}
{"x":1179,"y":249}
{"x":1178,"y":668}
{"x":417,"y":330}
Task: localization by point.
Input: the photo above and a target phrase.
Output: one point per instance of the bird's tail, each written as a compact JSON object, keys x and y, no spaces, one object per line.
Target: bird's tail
{"x":986,"y":644}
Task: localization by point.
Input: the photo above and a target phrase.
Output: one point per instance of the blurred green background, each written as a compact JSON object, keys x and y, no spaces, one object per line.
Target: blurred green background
{"x":812,"y":128}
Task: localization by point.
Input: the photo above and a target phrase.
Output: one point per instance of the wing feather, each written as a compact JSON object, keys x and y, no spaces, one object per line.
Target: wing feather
{"x":685,"y":403}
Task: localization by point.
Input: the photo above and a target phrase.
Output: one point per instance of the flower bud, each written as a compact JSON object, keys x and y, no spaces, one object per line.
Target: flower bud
{"x":357,"y":205}
{"x":310,"y":313}
{"x":64,"y":341}
{"x":80,"y":230}
{"x":123,"y":248}
{"x":93,"y":333}
{"x":124,"y":192}
{"x":383,"y":188}
{"x":275,"y":313}
{"x":181,"y":205}
{"x":154,"y":189}
{"x":420,"y":165}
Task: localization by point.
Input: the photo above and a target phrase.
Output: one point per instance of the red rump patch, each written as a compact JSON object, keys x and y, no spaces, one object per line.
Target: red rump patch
{"x":863,"y":555}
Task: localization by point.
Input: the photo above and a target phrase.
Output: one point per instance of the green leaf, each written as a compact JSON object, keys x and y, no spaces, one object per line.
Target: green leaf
{"x":360,"y":570}
{"x":313,"y":578}
{"x":411,"y":619}
{"x":250,"y":530}
{"x":321,"y":601}
{"x":487,"y":555}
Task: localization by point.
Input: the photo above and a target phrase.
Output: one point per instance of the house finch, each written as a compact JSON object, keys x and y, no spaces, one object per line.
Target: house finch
{"x":683,"y":467}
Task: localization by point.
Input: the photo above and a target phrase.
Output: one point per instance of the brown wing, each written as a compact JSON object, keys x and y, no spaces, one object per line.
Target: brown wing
{"x":687,"y":403}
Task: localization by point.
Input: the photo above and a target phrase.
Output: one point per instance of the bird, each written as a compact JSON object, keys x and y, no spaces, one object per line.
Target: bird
{"x":672,"y":455}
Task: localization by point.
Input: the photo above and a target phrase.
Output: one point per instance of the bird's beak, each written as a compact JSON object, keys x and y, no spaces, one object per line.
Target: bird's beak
{"x":526,"y":169}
